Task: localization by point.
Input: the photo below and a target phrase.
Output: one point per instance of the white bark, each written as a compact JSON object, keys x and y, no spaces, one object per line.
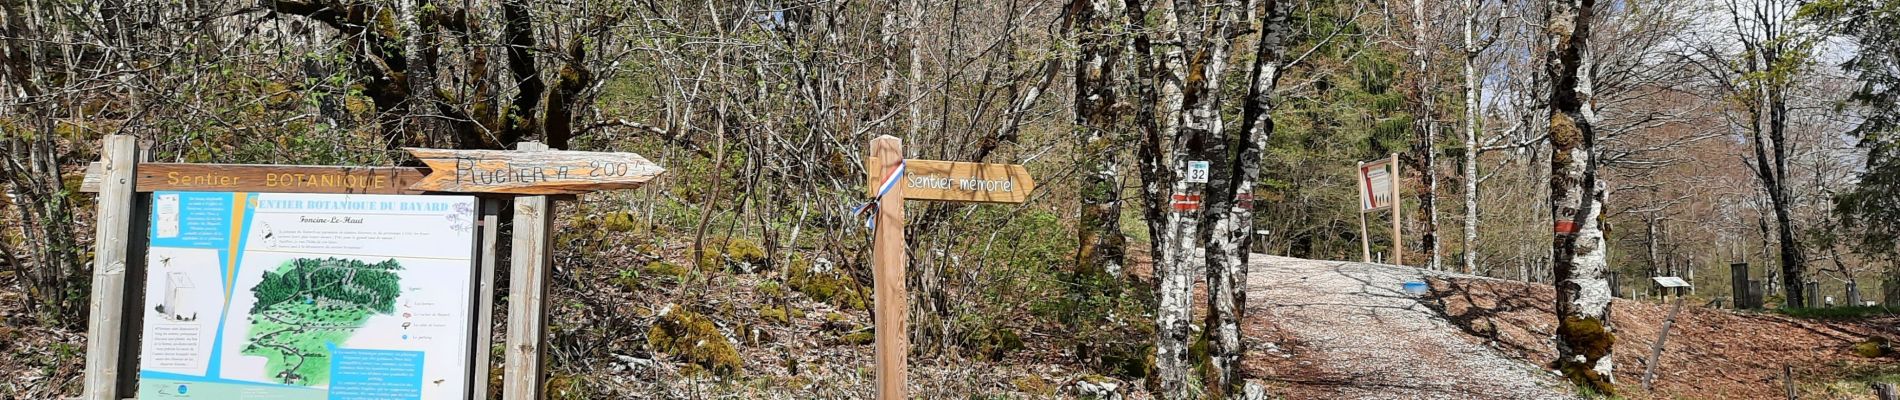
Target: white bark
{"x":1472,"y":83}
{"x":1174,"y":269}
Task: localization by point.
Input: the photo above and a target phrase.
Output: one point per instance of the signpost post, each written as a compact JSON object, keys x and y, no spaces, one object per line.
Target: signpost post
{"x":1378,"y":190}
{"x":889,"y":181}
{"x":1655,"y":350}
{"x":255,"y":197}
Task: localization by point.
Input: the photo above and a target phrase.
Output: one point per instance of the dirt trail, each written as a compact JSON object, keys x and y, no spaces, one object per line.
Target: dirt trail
{"x":1344,"y":330}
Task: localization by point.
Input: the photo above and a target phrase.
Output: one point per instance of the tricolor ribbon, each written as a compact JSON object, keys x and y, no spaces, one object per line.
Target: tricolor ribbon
{"x":890,"y":181}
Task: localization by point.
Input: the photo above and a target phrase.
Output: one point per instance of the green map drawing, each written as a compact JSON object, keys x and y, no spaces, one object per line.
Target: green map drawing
{"x":308,"y":305}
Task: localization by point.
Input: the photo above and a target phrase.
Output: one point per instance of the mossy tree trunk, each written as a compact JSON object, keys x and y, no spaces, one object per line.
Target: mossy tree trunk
{"x":1584,"y":337}
{"x":1099,"y":255}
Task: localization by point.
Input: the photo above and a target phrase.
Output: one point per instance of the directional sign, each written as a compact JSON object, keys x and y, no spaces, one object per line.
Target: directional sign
{"x":152,"y":177}
{"x":1671,"y":282}
{"x":531,"y":172}
{"x":964,"y":181}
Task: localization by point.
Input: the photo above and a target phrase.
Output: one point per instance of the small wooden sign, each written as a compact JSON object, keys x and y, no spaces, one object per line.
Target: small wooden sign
{"x":531,"y":172}
{"x":964,"y":181}
{"x":152,"y":177}
{"x":1671,"y":282}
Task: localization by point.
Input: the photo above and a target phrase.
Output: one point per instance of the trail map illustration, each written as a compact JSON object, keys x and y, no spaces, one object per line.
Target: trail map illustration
{"x":307,"y":306}
{"x":278,"y":296}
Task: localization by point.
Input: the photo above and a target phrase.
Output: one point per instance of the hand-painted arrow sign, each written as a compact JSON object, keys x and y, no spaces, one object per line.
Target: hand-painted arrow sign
{"x":531,"y":172}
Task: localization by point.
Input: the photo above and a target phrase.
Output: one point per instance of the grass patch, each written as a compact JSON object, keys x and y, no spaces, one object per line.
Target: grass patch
{"x":1839,"y":312}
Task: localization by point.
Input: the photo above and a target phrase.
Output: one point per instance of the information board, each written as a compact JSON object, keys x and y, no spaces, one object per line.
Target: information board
{"x":268,"y":296}
{"x":1375,"y":183}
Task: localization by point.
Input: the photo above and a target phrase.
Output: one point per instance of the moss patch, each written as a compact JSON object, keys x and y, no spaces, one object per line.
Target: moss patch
{"x":861,"y":337}
{"x":693,"y":338}
{"x":662,"y":268}
{"x":825,"y":285}
{"x":734,"y":254}
{"x":781,"y":314}
{"x":1589,"y":338}
{"x":1032,"y":384}
{"x":1873,"y":347}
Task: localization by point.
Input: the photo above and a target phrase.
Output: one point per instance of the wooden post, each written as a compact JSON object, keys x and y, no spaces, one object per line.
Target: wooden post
{"x":1853,"y":293}
{"x":1814,"y":294}
{"x":485,"y":299}
{"x":1884,"y":391}
{"x":1655,"y":350}
{"x":103,"y":335}
{"x":527,"y":294}
{"x":887,"y":274}
{"x":1365,"y":239}
{"x":1738,"y":283}
{"x":1398,"y":242}
{"x":1787,"y":380}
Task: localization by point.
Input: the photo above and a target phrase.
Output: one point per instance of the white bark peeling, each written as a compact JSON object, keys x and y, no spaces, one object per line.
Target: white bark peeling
{"x":1590,"y":265}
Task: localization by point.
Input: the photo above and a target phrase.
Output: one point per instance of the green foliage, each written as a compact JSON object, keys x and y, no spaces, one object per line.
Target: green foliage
{"x":1870,"y":211}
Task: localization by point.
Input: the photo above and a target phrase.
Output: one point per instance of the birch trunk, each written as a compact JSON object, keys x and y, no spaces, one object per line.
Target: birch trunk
{"x":1152,"y":161}
{"x":1230,"y":206}
{"x":1470,"y":257}
{"x":1201,"y":30}
{"x":1424,"y":123}
{"x":1584,"y":338}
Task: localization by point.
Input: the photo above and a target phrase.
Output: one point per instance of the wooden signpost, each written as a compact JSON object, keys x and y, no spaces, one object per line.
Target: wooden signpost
{"x":889,"y":181}
{"x":125,"y":185}
{"x":1655,"y":350}
{"x":1379,"y":190}
{"x":531,"y":172}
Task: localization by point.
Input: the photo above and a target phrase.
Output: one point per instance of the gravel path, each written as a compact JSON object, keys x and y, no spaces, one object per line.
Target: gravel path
{"x":1355,"y":334}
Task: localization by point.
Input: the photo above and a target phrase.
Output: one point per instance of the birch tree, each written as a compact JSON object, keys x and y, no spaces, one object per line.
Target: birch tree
{"x":1584,"y":338}
{"x":1229,"y":214}
{"x":1424,"y":48}
{"x":1203,"y":30}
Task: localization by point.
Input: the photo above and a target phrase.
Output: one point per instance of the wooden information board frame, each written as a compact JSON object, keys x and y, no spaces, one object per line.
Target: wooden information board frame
{"x":1368,"y":204}
{"x":124,"y":183}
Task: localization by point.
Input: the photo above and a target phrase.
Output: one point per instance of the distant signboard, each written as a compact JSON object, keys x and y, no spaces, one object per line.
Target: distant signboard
{"x":1375,"y":182}
{"x":1671,"y":282}
{"x":293,"y":296}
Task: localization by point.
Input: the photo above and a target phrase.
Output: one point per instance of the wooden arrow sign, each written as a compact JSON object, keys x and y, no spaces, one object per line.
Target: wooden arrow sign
{"x":531,"y":172}
{"x":965,"y":181}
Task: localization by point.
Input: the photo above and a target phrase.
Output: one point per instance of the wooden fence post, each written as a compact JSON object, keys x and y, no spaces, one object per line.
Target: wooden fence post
{"x":1365,"y":239}
{"x":527,"y":294}
{"x":485,"y":298}
{"x":115,"y":215}
{"x":1398,"y":240}
{"x":887,"y":275}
